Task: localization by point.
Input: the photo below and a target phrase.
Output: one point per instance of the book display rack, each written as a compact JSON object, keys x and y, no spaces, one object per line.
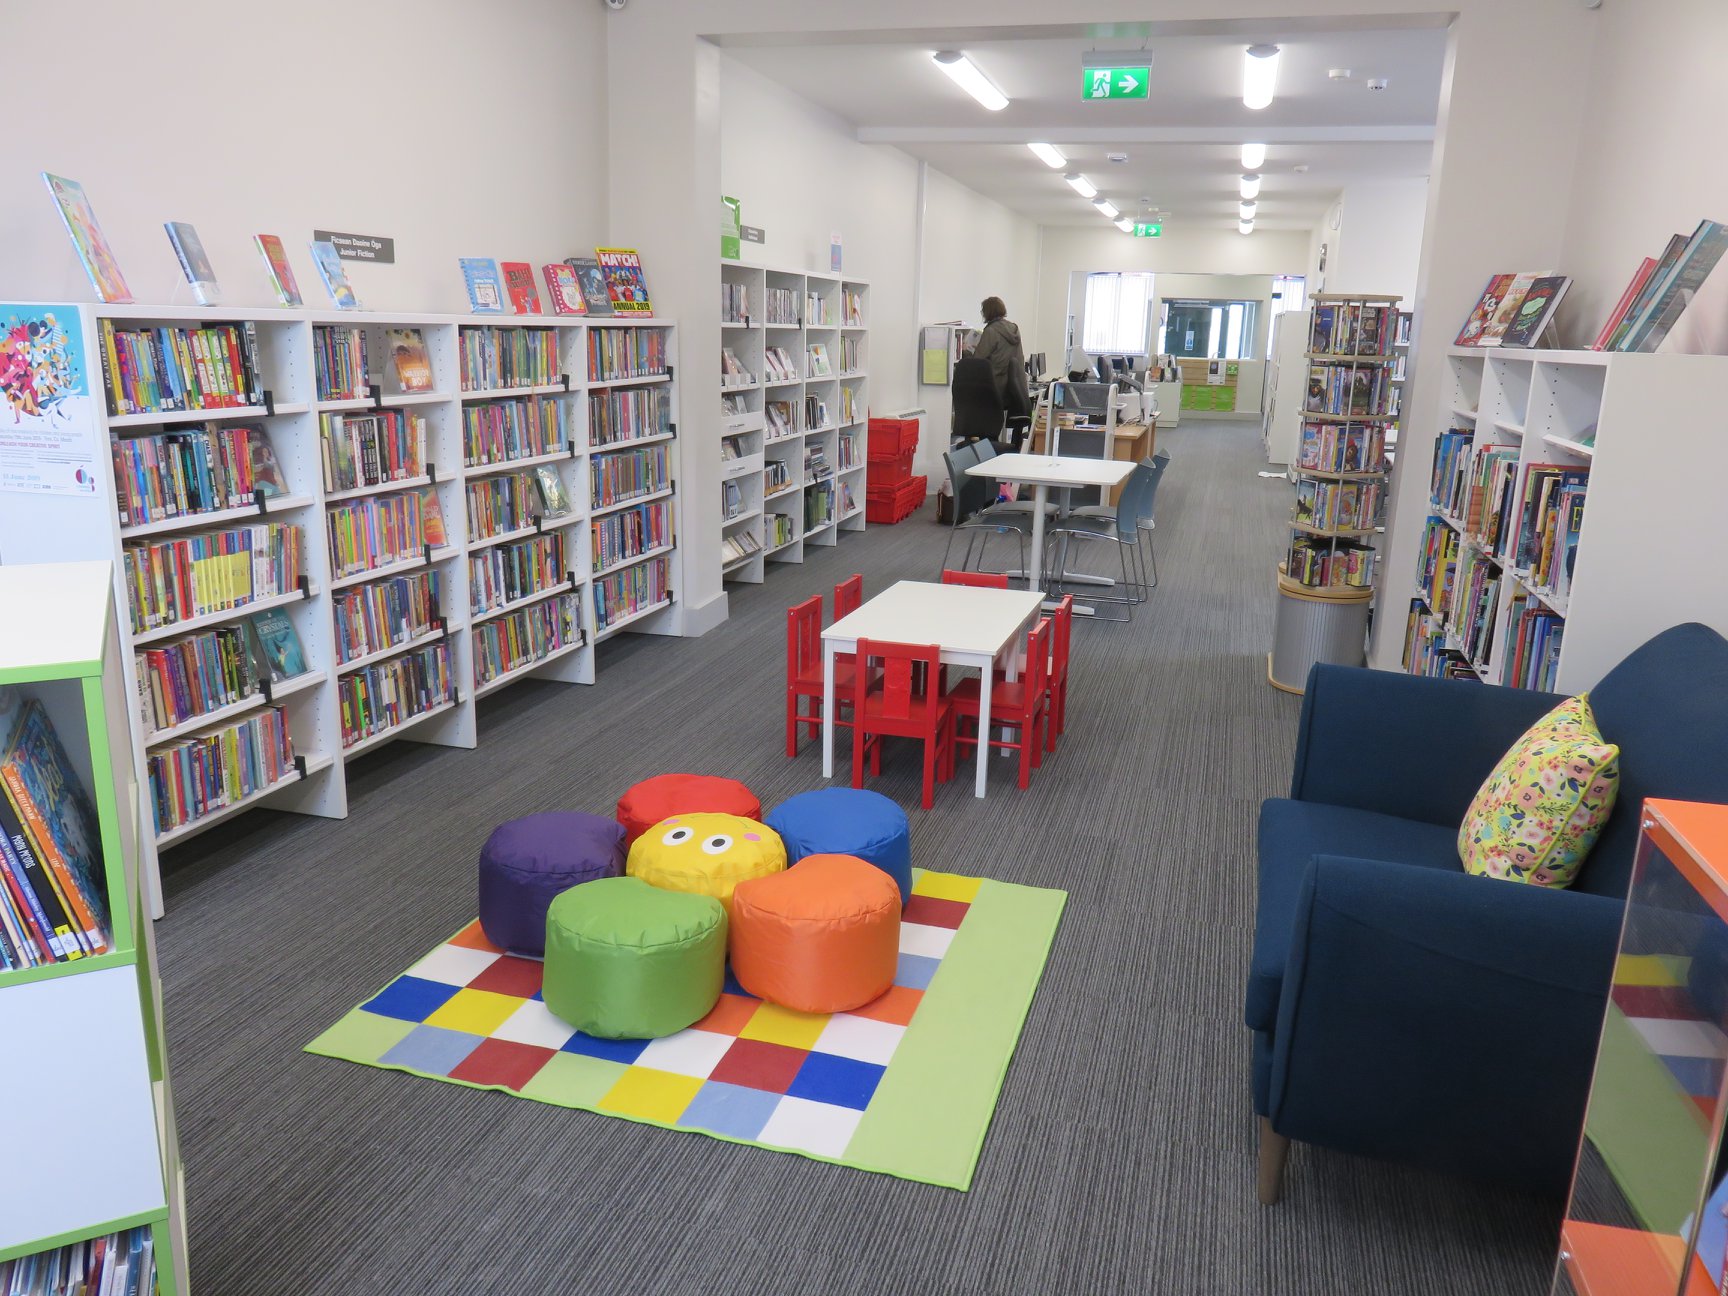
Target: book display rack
{"x":331,"y":530}
{"x":1574,"y":508}
{"x":114,"y":1208}
{"x":794,"y":405}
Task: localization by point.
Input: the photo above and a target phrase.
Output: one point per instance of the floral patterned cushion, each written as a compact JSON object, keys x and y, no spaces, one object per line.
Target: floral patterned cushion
{"x":1538,"y":814}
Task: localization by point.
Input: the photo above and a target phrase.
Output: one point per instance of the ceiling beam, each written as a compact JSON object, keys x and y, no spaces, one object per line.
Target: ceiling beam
{"x":1231,"y":135}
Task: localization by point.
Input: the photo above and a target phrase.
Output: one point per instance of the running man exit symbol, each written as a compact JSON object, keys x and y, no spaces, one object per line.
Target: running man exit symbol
{"x":1117,"y":83}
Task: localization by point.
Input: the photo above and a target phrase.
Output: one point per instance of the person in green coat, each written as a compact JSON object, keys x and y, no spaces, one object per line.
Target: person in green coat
{"x":1000,"y":345}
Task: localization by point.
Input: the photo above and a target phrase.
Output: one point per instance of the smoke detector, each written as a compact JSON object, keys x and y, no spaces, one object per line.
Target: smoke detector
{"x":1301,"y":168}
{"x":1339,"y":74}
{"x":1117,"y":157}
{"x":1377,"y":83}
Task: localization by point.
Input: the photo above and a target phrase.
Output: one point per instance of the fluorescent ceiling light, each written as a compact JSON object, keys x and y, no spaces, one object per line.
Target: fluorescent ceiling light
{"x":1246,"y":210}
{"x":1082,"y":186}
{"x":1245,"y":227}
{"x":966,"y":75}
{"x":1253,"y":157}
{"x":1259,"y":75}
{"x":1108,"y":208}
{"x":1049,"y":155}
{"x":1250,"y":185}
{"x":1125,"y":225}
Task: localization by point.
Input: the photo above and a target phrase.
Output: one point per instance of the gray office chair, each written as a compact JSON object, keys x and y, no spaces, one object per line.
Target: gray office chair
{"x":989,"y":450}
{"x":985,"y":522}
{"x":1105,"y":516}
{"x":1123,"y":528}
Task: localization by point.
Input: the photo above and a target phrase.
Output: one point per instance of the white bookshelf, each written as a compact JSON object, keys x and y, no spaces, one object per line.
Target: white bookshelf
{"x":1653,"y":524}
{"x":38,"y":528}
{"x":815,"y":310}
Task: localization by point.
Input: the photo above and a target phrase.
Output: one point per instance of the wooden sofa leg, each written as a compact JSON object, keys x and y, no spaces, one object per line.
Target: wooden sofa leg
{"x":1274,"y":1147}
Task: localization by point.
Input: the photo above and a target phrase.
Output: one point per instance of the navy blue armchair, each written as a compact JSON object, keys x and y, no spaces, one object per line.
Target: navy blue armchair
{"x":1400,"y":1007}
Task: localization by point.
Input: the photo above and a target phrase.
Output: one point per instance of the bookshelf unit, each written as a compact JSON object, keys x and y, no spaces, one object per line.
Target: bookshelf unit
{"x":106,"y":1121}
{"x":794,"y":409}
{"x":1640,"y":437}
{"x":510,"y":590}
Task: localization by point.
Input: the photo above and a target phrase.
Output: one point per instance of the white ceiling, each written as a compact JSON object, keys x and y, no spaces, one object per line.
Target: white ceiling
{"x":1182,"y":140}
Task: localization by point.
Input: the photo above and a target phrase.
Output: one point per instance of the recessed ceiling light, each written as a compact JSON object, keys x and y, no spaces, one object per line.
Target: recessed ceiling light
{"x":1259,"y":75}
{"x":1249,"y":185}
{"x":1125,"y":225}
{"x":1378,"y":83}
{"x":965,"y":74}
{"x":1253,"y":157}
{"x":1339,"y":74}
{"x":1108,"y":208}
{"x":1245,"y":227}
{"x":1049,"y":155}
{"x":1246,"y":210}
{"x":1081,"y":185}
{"x":1117,"y":157}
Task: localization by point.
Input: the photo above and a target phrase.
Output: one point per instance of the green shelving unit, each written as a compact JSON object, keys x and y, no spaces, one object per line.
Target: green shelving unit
{"x":84,"y":1096}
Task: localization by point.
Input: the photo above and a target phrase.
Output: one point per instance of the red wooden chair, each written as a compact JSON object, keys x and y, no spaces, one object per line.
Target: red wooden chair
{"x":848,"y":595}
{"x":1061,"y":637}
{"x":804,"y":672}
{"x":897,"y":708}
{"x":983,"y":580}
{"x":1022,"y":706}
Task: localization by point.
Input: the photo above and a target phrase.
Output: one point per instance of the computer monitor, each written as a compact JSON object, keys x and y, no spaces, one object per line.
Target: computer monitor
{"x":1035,"y":366}
{"x":1087,"y":399}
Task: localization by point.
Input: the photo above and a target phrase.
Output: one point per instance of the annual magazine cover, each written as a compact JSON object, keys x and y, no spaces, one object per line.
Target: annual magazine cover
{"x":626,"y":285}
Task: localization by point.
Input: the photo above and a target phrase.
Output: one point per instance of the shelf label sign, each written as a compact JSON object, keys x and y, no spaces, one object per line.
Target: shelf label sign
{"x":1147,"y":229}
{"x":360,"y":247}
{"x":1116,"y":83}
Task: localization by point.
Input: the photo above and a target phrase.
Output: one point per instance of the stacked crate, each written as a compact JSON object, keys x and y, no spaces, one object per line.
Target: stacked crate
{"x":893,"y":494}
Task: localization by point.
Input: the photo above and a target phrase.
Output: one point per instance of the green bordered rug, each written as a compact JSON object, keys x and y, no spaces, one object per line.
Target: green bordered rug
{"x":904,"y":1086}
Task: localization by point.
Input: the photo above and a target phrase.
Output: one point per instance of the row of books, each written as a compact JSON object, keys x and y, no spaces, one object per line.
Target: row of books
{"x":387,"y":445}
{"x":817,"y":312}
{"x":732,"y":501}
{"x":1551,"y":521}
{"x":194,"y":777}
{"x":186,"y":678}
{"x":615,"y":353}
{"x":734,"y":303}
{"x":782,"y":306}
{"x":778,"y":366}
{"x":620,"y":536}
{"x":735,"y":546}
{"x":118,"y":1264}
{"x":340,"y":365}
{"x":1449,"y":478}
{"x":733,"y":371}
{"x":1532,"y":652}
{"x":148,"y":370}
{"x":847,"y":447}
{"x":1354,"y":329}
{"x":1489,"y":497}
{"x":852,"y":307}
{"x":781,"y":418}
{"x":1475,"y":604}
{"x":628,"y":415}
{"x":732,"y":447}
{"x":1354,"y":390}
{"x":383,"y":613}
{"x":1317,"y":564}
{"x":1342,"y":448}
{"x":1675,"y":302}
{"x":1426,"y":651}
{"x":519,"y":428}
{"x":381,"y":696}
{"x":1436,"y":563}
{"x":776,"y":476}
{"x":214,"y":571}
{"x":815,"y":462}
{"x":193,"y":470}
{"x":816,"y":361}
{"x":631,"y":590}
{"x":851,"y":354}
{"x":816,"y":413}
{"x":504,"y":573}
{"x":818,"y":506}
{"x":734,"y":406}
{"x":778,"y":530}
{"x":609,"y":282}
{"x":518,"y":639}
{"x":626,"y":474}
{"x":492,"y":358}
{"x":1338,"y":505}
{"x":53,"y":898}
{"x":511,"y":501}
{"x":848,"y":503}
{"x":1513,"y":310}
{"x":374,"y":532}
{"x":849,"y":412}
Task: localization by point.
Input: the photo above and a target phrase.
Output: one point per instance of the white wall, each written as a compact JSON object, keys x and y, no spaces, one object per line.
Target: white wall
{"x":1378,"y":248}
{"x":245,"y":119}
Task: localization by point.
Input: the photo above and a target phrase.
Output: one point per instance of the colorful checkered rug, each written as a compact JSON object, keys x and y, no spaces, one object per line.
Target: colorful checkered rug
{"x":904,"y":1086}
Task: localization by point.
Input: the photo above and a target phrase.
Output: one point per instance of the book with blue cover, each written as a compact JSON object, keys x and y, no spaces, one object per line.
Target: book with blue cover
{"x":277,"y":654}
{"x":334,"y":274}
{"x":485,"y":288}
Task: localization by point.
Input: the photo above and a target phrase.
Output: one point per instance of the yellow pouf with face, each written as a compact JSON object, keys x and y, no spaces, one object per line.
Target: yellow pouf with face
{"x":708,"y":854}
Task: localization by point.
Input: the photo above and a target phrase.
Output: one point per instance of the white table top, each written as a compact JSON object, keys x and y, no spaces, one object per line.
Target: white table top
{"x":962,"y":619}
{"x":1045,"y":470}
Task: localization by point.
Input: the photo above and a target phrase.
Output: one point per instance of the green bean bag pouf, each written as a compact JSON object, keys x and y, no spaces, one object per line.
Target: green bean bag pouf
{"x":626,"y":960}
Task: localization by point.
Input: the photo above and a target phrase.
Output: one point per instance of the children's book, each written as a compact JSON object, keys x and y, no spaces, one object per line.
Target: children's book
{"x":1495,"y":328}
{"x":593,"y":281}
{"x":485,"y":294}
{"x":432,"y":528}
{"x":1706,"y":247}
{"x":276,"y":263}
{"x":552,"y":493}
{"x":1471,"y":333}
{"x":1535,"y":311}
{"x":519,"y":282}
{"x":626,"y":285}
{"x":562,"y":288}
{"x":409,"y":359}
{"x":87,"y":240}
{"x":267,"y":478}
{"x":193,"y":263}
{"x":1645,"y":269}
{"x":276,"y":651}
{"x":334,"y":275}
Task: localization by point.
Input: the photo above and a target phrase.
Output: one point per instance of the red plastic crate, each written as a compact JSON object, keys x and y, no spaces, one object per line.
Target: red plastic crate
{"x":890,"y":438}
{"x":884,"y":470}
{"x":886,"y":505}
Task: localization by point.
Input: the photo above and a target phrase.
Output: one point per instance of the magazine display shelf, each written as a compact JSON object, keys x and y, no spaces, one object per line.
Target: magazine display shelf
{"x":57,"y":528}
{"x":107,"y":1121}
{"x":828,"y":310}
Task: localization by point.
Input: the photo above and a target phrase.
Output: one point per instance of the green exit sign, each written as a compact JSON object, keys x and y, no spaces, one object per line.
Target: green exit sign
{"x":1116,"y":83}
{"x":1146,"y":229}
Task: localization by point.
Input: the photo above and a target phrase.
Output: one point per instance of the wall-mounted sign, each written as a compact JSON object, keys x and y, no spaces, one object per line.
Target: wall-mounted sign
{"x":730,"y":211}
{"x":752,"y":234}
{"x":360,"y":247}
{"x":1116,"y":83}
{"x":1147,"y":229}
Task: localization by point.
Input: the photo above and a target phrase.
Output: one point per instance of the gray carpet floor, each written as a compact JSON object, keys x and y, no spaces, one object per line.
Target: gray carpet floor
{"x":1121,"y":1156}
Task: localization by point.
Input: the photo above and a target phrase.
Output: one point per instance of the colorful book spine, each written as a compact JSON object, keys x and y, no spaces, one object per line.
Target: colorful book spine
{"x":503,"y":430}
{"x":517,"y":640}
{"x":507,"y":502}
{"x":627,"y":474}
{"x":383,"y":613}
{"x":634,"y":589}
{"x":374,"y":532}
{"x":187,"y":678}
{"x":619,"y":537}
{"x":501,"y":574}
{"x":194,"y":777}
{"x":371,"y":449}
{"x":49,"y":926}
{"x":186,"y":472}
{"x":615,"y":417}
{"x":497,"y":358}
{"x":217,"y":571}
{"x":167,"y":370}
{"x":379,"y":697}
{"x":615,"y":353}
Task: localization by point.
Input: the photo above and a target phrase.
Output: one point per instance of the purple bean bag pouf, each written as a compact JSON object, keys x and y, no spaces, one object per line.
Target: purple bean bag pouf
{"x":527,"y":862}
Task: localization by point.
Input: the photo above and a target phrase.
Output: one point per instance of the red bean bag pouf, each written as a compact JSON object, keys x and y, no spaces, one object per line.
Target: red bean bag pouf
{"x":666,"y":795}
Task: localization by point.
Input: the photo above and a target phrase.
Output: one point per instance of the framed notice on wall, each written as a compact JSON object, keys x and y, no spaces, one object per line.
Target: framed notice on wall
{"x":48,"y":428}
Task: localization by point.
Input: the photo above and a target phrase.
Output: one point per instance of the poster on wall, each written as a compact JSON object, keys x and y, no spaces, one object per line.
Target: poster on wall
{"x":48,"y":426}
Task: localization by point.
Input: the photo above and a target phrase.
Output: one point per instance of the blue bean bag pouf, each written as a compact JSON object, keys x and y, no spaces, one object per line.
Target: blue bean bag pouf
{"x":527,"y":862}
{"x":847,"y":821}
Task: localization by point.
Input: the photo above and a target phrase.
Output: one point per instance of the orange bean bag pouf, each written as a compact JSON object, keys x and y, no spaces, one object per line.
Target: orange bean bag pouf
{"x":822,"y":937}
{"x":665,"y":795}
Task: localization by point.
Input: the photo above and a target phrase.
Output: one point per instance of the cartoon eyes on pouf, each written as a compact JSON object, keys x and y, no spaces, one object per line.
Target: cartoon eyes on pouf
{"x":707,"y":854}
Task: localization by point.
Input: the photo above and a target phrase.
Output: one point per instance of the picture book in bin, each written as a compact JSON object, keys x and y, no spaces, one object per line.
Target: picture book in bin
{"x":276,"y":651}
{"x":48,"y":793}
{"x":626,"y":285}
{"x":409,"y":359}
